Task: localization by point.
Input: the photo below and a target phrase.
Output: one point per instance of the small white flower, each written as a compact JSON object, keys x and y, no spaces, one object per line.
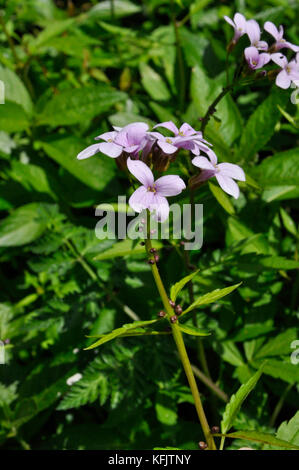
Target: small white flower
{"x":73,"y":379}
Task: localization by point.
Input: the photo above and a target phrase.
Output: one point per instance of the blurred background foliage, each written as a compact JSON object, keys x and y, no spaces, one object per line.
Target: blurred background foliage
{"x":72,"y":69}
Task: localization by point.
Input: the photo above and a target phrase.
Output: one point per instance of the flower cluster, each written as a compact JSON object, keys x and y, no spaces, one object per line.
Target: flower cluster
{"x":142,"y":150}
{"x":259,"y":53}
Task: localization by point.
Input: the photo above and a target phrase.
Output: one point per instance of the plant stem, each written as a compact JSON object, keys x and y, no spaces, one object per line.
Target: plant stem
{"x":10,"y":42}
{"x":279,"y":405}
{"x":182,"y":84}
{"x":209,"y":383}
{"x":178,"y":338}
{"x":212,"y":108}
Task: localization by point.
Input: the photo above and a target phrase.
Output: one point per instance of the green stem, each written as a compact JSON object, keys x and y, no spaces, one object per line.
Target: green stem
{"x":222,"y":443}
{"x":279,"y":405}
{"x":10,"y":42}
{"x":182,"y":84}
{"x":212,"y":108}
{"x":178,"y":338}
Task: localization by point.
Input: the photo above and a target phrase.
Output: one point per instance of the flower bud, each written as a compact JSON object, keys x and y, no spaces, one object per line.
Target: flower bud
{"x":202,"y":445}
{"x":215,"y":430}
{"x":161,"y":314}
{"x":173,"y":319}
{"x":171,"y":303}
{"x":178,"y":309}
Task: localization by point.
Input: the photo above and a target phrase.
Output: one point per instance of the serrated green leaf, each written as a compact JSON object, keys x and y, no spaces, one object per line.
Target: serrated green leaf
{"x":211,"y":297}
{"x":178,"y":286}
{"x":15,"y":89}
{"x":193,"y":331}
{"x":74,"y":105}
{"x":262,"y":437}
{"x":25,"y":224}
{"x":236,"y":401}
{"x":120,"y":331}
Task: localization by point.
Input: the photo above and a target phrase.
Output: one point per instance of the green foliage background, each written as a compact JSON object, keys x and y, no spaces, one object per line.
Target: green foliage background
{"x":71,"y":70}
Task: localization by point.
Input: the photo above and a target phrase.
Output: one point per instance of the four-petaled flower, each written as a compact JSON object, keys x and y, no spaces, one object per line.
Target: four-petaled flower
{"x":280,"y":42}
{"x":254,"y":59}
{"x":185,"y":137}
{"x":239,"y":25}
{"x":289,"y":70}
{"x":225,"y":173}
{"x":152,"y":194}
{"x":130,"y":139}
{"x":254,"y":33}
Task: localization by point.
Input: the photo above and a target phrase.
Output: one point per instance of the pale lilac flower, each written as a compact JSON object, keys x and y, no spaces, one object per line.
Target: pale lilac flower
{"x":289,"y":70}
{"x":254,"y":33}
{"x":280,"y":42}
{"x":130,"y":139}
{"x":152,"y":194}
{"x":239,"y":25}
{"x":254,"y":59}
{"x":225,"y":173}
{"x":185,"y":137}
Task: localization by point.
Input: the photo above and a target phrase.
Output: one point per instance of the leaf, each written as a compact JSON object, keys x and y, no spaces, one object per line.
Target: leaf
{"x":15,"y":89}
{"x":25,"y":224}
{"x":53,"y":29}
{"x":203,"y":91}
{"x":166,"y":408}
{"x":288,"y":222}
{"x":261,"y":125}
{"x":281,"y":169}
{"x":289,"y":430}
{"x":262,"y":437}
{"x":122,"y":8}
{"x":283,"y":370}
{"x":124,"y":248}
{"x":120,"y":331}
{"x":222,"y":198}
{"x":278,"y":346}
{"x":95,"y":172}
{"x":211,"y":297}
{"x":236,"y":401}
{"x":153,"y":83}
{"x":178,"y":286}
{"x":8,"y":393}
{"x":73,"y":106}
{"x":193,"y":331}
{"x":13,"y":117}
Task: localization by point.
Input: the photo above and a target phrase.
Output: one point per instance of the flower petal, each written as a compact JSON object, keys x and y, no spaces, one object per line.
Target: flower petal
{"x":253,"y":31}
{"x":279,"y":59}
{"x":228,"y":185}
{"x":89,"y":151}
{"x":111,"y":149}
{"x":283,"y":80}
{"x":187,"y":130}
{"x":271,"y":29}
{"x":166,"y":147}
{"x":141,"y":199}
{"x":161,"y":207}
{"x":240,"y":22}
{"x":141,"y":171}
{"x":231,"y":170}
{"x":169,"y":185}
{"x":107,"y":136}
{"x":168,"y":125}
{"x":203,"y":163}
{"x":229,"y":21}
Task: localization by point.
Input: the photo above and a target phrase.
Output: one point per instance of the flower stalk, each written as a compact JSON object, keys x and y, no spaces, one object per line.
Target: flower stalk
{"x":178,"y":338}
